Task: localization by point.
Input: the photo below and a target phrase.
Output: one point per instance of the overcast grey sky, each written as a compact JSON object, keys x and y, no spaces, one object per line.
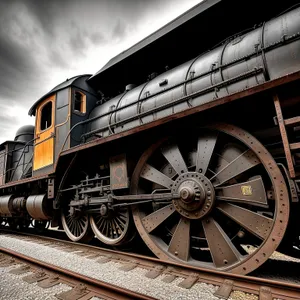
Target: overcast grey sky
{"x":42,"y":43}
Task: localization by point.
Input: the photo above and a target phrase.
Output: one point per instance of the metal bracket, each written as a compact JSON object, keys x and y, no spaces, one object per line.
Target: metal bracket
{"x":169,"y":278}
{"x":129,"y":266}
{"x":76,"y":293}
{"x":104,"y":259}
{"x":50,"y":188}
{"x":21,"y":270}
{"x":225,"y":289}
{"x":265,"y":293}
{"x":36,"y":277}
{"x":155,"y":272}
{"x":49,"y":282}
{"x":189,"y":281}
{"x":6,"y":262}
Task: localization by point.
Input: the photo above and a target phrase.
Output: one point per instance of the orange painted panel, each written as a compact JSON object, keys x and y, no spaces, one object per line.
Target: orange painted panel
{"x":44,"y":143}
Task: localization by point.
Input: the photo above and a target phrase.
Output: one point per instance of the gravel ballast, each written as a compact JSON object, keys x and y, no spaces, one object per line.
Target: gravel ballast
{"x":134,"y":280}
{"x":12,"y":287}
{"x":109,"y":272}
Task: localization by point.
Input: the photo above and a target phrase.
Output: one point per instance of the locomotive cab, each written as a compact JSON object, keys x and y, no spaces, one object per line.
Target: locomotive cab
{"x":57,"y":113}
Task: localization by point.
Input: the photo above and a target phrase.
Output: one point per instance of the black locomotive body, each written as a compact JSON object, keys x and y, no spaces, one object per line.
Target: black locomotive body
{"x":200,"y":161}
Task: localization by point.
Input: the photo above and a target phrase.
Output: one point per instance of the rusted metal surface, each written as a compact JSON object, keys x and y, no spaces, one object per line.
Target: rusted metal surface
{"x":225,"y":289}
{"x":27,"y":180}
{"x":285,"y":140}
{"x":222,"y":100}
{"x":118,"y":172}
{"x":197,"y":196}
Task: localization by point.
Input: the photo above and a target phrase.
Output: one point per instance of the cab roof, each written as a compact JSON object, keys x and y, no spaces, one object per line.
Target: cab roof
{"x":75,"y":81}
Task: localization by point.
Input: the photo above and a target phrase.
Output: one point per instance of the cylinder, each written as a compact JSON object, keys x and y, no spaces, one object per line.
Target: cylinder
{"x":39,"y":207}
{"x":6,"y":205}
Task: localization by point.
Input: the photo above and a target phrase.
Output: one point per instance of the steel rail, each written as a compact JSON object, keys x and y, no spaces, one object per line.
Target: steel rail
{"x":96,"y":283}
{"x":245,"y":283}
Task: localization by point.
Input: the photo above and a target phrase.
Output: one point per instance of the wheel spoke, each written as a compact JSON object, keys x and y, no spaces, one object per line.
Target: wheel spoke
{"x":222,"y":250}
{"x":257,"y":224}
{"x":250,"y":192}
{"x":173,"y":156}
{"x":242,"y":163}
{"x":180,"y":242}
{"x":156,"y":176}
{"x":205,"y":148}
{"x":115,"y":227}
{"x":153,"y":220}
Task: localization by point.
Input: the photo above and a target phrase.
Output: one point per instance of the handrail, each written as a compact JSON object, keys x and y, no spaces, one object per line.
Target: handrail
{"x":254,"y":53}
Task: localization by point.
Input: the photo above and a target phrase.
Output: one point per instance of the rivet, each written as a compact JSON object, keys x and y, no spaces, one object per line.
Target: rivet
{"x":176,"y":253}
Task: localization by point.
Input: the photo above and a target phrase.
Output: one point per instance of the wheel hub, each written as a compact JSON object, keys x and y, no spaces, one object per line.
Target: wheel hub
{"x":197,"y":195}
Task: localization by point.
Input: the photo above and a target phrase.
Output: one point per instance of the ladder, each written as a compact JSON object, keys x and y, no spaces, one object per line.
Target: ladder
{"x":287,"y":146}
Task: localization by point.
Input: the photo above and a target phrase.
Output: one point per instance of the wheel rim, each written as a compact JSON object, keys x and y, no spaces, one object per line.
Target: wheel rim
{"x":112,"y":227}
{"x":223,"y":205}
{"x":76,"y":226}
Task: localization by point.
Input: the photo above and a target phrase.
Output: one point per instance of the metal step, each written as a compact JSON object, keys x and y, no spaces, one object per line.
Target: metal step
{"x":292,"y":121}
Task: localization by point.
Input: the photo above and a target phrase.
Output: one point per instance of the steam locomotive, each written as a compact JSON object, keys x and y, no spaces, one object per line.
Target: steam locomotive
{"x":200,"y":161}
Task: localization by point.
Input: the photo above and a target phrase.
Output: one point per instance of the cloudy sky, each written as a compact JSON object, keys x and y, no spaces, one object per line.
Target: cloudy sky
{"x":42,"y":43}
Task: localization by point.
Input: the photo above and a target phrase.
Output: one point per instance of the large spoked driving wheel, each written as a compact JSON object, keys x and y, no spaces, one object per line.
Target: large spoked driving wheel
{"x":111,"y":226}
{"x":76,"y":225}
{"x":231,"y":208}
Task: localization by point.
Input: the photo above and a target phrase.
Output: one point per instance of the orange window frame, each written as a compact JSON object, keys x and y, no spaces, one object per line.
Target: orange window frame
{"x":82,"y":110}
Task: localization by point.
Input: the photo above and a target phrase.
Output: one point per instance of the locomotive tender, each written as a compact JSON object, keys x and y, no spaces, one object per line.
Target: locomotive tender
{"x":201,"y":161}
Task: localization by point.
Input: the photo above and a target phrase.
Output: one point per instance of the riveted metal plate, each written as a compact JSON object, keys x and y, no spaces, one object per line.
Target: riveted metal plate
{"x":118,"y":172}
{"x":224,"y":290}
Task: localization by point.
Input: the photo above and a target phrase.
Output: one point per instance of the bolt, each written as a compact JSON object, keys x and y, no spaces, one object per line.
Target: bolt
{"x":241,"y":234}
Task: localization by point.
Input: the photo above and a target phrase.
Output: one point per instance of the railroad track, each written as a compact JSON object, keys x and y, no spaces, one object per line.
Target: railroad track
{"x":225,"y":283}
{"x":48,"y":275}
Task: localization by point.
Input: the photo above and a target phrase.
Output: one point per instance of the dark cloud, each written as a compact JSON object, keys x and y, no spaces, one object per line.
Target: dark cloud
{"x":119,"y":30}
{"x":43,"y":42}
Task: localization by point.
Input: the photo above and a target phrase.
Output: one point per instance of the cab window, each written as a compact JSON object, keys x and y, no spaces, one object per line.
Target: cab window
{"x":80,"y":102}
{"x":46,"y":116}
